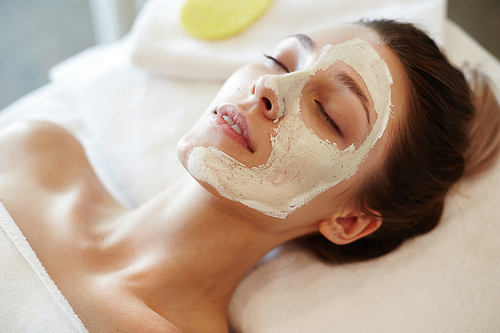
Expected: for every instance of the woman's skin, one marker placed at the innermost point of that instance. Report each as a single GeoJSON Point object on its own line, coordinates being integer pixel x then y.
{"type": "Point", "coordinates": [172, 264]}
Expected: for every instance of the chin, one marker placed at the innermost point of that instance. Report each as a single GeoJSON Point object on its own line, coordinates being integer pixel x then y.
{"type": "Point", "coordinates": [183, 151]}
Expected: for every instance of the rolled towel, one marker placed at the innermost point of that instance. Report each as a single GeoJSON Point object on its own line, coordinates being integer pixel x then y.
{"type": "Point", "coordinates": [162, 45]}
{"type": "Point", "coordinates": [29, 299]}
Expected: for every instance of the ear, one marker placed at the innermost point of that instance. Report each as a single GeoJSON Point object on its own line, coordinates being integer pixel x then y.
{"type": "Point", "coordinates": [349, 227]}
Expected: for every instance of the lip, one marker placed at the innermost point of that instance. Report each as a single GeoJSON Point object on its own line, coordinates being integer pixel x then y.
{"type": "Point", "coordinates": [232, 111]}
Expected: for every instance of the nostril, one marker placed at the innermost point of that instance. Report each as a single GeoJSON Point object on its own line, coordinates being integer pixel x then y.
{"type": "Point", "coordinates": [267, 103]}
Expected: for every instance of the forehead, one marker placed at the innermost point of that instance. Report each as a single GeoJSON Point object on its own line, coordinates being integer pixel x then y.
{"type": "Point", "coordinates": [338, 35]}
{"type": "Point", "coordinates": [309, 53]}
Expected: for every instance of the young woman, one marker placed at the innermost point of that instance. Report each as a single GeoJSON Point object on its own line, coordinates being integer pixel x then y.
{"type": "Point", "coordinates": [346, 139]}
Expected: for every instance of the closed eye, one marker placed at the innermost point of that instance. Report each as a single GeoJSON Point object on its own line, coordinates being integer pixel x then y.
{"type": "Point", "coordinates": [277, 62]}
{"type": "Point", "coordinates": [329, 120]}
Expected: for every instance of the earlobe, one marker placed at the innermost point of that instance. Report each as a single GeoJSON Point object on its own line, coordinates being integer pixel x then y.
{"type": "Point", "coordinates": [346, 229]}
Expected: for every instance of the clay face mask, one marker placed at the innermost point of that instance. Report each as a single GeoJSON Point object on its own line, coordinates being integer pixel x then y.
{"type": "Point", "coordinates": [301, 164]}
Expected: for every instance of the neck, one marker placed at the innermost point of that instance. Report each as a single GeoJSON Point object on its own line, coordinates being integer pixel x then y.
{"type": "Point", "coordinates": [195, 249]}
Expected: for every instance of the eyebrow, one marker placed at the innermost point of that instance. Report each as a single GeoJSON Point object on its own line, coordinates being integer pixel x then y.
{"type": "Point", "coordinates": [305, 41]}
{"type": "Point", "coordinates": [349, 82]}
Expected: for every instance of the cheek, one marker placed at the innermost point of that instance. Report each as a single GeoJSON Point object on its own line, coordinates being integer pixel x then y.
{"type": "Point", "coordinates": [240, 83]}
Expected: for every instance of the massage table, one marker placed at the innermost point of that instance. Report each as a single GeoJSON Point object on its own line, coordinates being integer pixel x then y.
{"type": "Point", "coordinates": [130, 101]}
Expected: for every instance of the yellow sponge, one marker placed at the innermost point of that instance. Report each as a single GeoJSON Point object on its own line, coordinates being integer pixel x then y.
{"type": "Point", "coordinates": [217, 19]}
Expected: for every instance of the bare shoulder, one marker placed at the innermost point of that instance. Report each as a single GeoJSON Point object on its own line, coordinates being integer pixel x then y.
{"type": "Point", "coordinates": [42, 150]}
{"type": "Point", "coordinates": [34, 136]}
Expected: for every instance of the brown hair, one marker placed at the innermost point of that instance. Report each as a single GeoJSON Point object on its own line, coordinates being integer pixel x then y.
{"type": "Point", "coordinates": [447, 132]}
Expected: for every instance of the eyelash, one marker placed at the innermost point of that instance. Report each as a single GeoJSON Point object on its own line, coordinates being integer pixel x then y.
{"type": "Point", "coordinates": [321, 110]}
{"type": "Point", "coordinates": [277, 62]}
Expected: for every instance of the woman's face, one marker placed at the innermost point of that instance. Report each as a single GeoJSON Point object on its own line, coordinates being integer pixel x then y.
{"type": "Point", "coordinates": [298, 124]}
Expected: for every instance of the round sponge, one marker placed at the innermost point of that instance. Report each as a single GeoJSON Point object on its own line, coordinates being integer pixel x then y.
{"type": "Point", "coordinates": [217, 19]}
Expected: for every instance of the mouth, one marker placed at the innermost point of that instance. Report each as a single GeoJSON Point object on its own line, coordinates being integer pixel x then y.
{"type": "Point", "coordinates": [230, 120]}
{"type": "Point", "coordinates": [232, 124]}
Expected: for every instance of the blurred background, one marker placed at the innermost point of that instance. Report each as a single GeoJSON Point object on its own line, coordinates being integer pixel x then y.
{"type": "Point", "coordinates": [37, 34]}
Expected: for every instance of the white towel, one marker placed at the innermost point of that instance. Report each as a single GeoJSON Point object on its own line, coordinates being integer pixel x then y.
{"type": "Point", "coordinates": [29, 299]}
{"type": "Point", "coordinates": [163, 46]}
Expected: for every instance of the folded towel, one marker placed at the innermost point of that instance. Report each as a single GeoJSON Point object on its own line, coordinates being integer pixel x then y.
{"type": "Point", "coordinates": [29, 299]}
{"type": "Point", "coordinates": [163, 46]}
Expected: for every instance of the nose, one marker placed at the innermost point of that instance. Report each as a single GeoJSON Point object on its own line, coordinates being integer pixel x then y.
{"type": "Point", "coordinates": [266, 98]}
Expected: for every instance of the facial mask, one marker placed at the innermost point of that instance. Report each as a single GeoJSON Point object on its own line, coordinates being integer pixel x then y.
{"type": "Point", "coordinates": [301, 164]}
